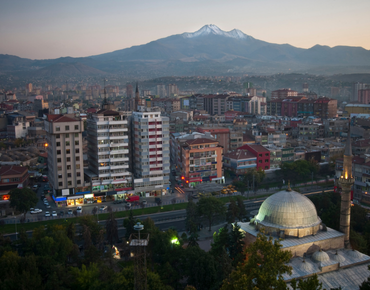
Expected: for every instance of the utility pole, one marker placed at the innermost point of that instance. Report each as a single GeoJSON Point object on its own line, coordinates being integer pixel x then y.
{"type": "Point", "coordinates": [312, 178]}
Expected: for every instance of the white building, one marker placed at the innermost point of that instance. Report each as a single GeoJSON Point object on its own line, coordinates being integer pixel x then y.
{"type": "Point", "coordinates": [109, 153]}
{"type": "Point", "coordinates": [151, 160]}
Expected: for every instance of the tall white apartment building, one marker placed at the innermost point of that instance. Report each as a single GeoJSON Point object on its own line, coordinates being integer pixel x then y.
{"type": "Point", "coordinates": [151, 158]}
{"type": "Point", "coordinates": [109, 153]}
{"type": "Point", "coordinates": [65, 159]}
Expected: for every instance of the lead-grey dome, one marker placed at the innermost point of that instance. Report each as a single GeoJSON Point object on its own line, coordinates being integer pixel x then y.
{"type": "Point", "coordinates": [288, 211]}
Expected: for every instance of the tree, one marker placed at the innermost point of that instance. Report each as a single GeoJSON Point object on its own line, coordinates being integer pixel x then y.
{"type": "Point", "coordinates": [236, 244]}
{"type": "Point", "coordinates": [192, 218]}
{"type": "Point", "coordinates": [311, 283]}
{"type": "Point", "coordinates": [111, 229]}
{"type": "Point", "coordinates": [264, 267]}
{"type": "Point", "coordinates": [220, 241]}
{"type": "Point", "coordinates": [210, 208]}
{"type": "Point", "coordinates": [129, 223]}
{"type": "Point", "coordinates": [242, 213]}
{"type": "Point", "coordinates": [23, 199]}
{"type": "Point", "coordinates": [232, 211]}
{"type": "Point", "coordinates": [366, 284]}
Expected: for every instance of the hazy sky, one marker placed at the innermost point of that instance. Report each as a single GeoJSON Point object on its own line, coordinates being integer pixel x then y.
{"type": "Point", "coordinates": [40, 29]}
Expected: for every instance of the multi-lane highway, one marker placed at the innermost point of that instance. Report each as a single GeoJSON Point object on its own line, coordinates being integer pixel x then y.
{"type": "Point", "coordinates": [176, 219]}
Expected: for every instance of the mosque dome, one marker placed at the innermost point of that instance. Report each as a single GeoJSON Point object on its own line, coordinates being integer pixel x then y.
{"type": "Point", "coordinates": [320, 256]}
{"type": "Point", "coordinates": [288, 211]}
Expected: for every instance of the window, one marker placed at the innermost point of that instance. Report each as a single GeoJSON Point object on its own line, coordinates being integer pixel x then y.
{"type": "Point", "coordinates": [266, 160]}
{"type": "Point", "coordinates": [78, 181]}
{"type": "Point", "coordinates": [68, 159]}
{"type": "Point", "coordinates": [77, 166]}
{"type": "Point", "coordinates": [77, 150]}
{"type": "Point", "coordinates": [68, 151]}
{"type": "Point", "coordinates": [59, 159]}
{"type": "Point", "coordinates": [68, 167]}
{"type": "Point", "coordinates": [67, 135]}
{"type": "Point", "coordinates": [60, 183]}
{"type": "Point", "coordinates": [76, 134]}
{"type": "Point", "coordinates": [69, 175]}
{"type": "Point", "coordinates": [59, 152]}
{"type": "Point", "coordinates": [259, 161]}
{"type": "Point", "coordinates": [266, 154]}
{"type": "Point", "coordinates": [78, 174]}
{"type": "Point", "coordinates": [67, 128]}
{"type": "Point", "coordinates": [78, 158]}
{"type": "Point", "coordinates": [69, 183]}
{"type": "Point", "coordinates": [57, 128]}
{"type": "Point", "coordinates": [67, 143]}
{"type": "Point", "coordinates": [59, 168]}
{"type": "Point", "coordinates": [77, 142]}
{"type": "Point", "coordinates": [57, 136]}
{"type": "Point", "coordinates": [58, 144]}
{"type": "Point", "coordinates": [76, 127]}
{"type": "Point", "coordinates": [260, 155]}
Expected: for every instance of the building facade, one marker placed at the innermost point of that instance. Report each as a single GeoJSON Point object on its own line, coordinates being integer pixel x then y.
{"type": "Point", "coordinates": [151, 159]}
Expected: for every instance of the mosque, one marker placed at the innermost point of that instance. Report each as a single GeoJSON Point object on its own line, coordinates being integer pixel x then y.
{"type": "Point", "coordinates": [316, 249]}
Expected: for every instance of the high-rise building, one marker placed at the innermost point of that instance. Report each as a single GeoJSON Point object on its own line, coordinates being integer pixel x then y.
{"type": "Point", "coordinates": [28, 88]}
{"type": "Point", "coordinates": [172, 90]}
{"type": "Point", "coordinates": [283, 93]}
{"type": "Point", "coordinates": [161, 91]}
{"type": "Point", "coordinates": [151, 158]}
{"type": "Point", "coordinates": [305, 87]}
{"type": "Point", "coordinates": [129, 91]}
{"type": "Point", "coordinates": [65, 158]}
{"type": "Point", "coordinates": [364, 96]}
{"type": "Point", "coordinates": [109, 153]}
{"type": "Point", "coordinates": [355, 88]}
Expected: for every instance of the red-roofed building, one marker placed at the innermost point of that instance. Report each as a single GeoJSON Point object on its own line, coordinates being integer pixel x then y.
{"type": "Point", "coordinates": [201, 162]}
{"type": "Point", "coordinates": [11, 176]}
{"type": "Point", "coordinates": [261, 153]}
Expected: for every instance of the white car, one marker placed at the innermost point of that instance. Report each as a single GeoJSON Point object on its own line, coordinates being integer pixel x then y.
{"type": "Point", "coordinates": [79, 209]}
{"type": "Point", "coordinates": [45, 201]}
{"type": "Point", "coordinates": [35, 187]}
{"type": "Point", "coordinates": [54, 213]}
{"type": "Point", "coordinates": [104, 207]}
{"type": "Point", "coordinates": [70, 211]}
{"type": "Point", "coordinates": [47, 205]}
{"type": "Point", "coordinates": [35, 210]}
{"type": "Point", "coordinates": [47, 213]}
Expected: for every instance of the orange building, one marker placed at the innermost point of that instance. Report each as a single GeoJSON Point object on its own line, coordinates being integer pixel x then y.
{"type": "Point", "coordinates": [202, 162]}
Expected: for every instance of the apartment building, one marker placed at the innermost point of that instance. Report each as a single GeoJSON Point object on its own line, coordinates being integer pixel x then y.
{"type": "Point", "coordinates": [65, 159]}
{"type": "Point", "coordinates": [168, 105]}
{"type": "Point", "coordinates": [222, 135]}
{"type": "Point", "coordinates": [151, 159]}
{"type": "Point", "coordinates": [261, 153]}
{"type": "Point", "coordinates": [18, 125]}
{"type": "Point", "coordinates": [283, 93]}
{"type": "Point", "coordinates": [335, 127]}
{"type": "Point", "coordinates": [201, 162]}
{"type": "Point", "coordinates": [310, 131]}
{"type": "Point", "coordinates": [110, 170]}
{"type": "Point", "coordinates": [239, 161]}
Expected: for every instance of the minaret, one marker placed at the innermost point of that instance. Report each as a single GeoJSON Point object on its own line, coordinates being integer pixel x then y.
{"type": "Point", "coordinates": [346, 181]}
{"type": "Point", "coordinates": [137, 98]}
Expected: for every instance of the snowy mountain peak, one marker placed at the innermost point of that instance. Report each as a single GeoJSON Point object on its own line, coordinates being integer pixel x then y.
{"type": "Point", "coordinates": [213, 29]}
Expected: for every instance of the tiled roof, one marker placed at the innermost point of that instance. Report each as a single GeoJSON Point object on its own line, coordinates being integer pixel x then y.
{"type": "Point", "coordinates": [213, 130]}
{"type": "Point", "coordinates": [362, 143]}
{"type": "Point", "coordinates": [200, 141]}
{"type": "Point", "coordinates": [12, 170]}
{"type": "Point", "coordinates": [239, 154]}
{"type": "Point", "coordinates": [256, 147]}
{"type": "Point", "coordinates": [60, 118]}
{"type": "Point", "coordinates": [247, 138]}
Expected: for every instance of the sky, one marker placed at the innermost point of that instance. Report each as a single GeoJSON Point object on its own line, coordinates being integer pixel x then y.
{"type": "Point", "coordinates": [43, 29]}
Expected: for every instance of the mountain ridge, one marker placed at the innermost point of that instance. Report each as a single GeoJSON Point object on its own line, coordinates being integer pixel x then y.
{"type": "Point", "coordinates": [224, 52]}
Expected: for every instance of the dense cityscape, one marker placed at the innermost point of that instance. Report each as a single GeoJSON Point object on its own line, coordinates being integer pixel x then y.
{"type": "Point", "coordinates": [141, 148]}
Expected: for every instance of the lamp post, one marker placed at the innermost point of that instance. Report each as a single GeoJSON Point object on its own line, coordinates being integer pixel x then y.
{"type": "Point", "coordinates": [15, 223]}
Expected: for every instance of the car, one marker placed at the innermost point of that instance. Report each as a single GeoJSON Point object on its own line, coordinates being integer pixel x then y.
{"type": "Point", "coordinates": [128, 205]}
{"type": "Point", "coordinates": [70, 211]}
{"type": "Point", "coordinates": [47, 214]}
{"type": "Point", "coordinates": [47, 206]}
{"type": "Point", "coordinates": [79, 209]}
{"type": "Point", "coordinates": [46, 186]}
{"type": "Point", "coordinates": [35, 187]}
{"type": "Point", "coordinates": [144, 201]}
{"type": "Point", "coordinates": [61, 213]}
{"type": "Point", "coordinates": [42, 196]}
{"type": "Point", "coordinates": [118, 201]}
{"type": "Point", "coordinates": [45, 200]}
{"type": "Point", "coordinates": [104, 207]}
{"type": "Point", "coordinates": [54, 213]}
{"type": "Point", "coordinates": [36, 210]}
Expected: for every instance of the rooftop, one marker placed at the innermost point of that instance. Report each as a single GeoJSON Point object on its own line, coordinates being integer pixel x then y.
{"type": "Point", "coordinates": [200, 141]}
{"type": "Point", "coordinates": [239, 155]}
{"type": "Point", "coordinates": [255, 147]}
{"type": "Point", "coordinates": [60, 118]}
{"type": "Point", "coordinates": [12, 170]}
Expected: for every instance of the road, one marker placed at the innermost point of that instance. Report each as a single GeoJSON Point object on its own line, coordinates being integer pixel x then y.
{"type": "Point", "coordinates": [176, 219]}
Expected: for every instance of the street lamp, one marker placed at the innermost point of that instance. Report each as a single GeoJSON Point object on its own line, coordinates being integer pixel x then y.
{"type": "Point", "coordinates": [15, 223]}
{"type": "Point", "coordinates": [138, 227]}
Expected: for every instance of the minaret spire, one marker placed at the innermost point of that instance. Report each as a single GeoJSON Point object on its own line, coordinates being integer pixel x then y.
{"type": "Point", "coordinates": [137, 97]}
{"type": "Point", "coordinates": [346, 181]}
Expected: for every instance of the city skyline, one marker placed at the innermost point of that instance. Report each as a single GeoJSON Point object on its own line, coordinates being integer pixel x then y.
{"type": "Point", "coordinates": [43, 29]}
